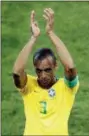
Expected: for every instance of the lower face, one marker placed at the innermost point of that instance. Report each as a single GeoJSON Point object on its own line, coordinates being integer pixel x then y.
{"type": "Point", "coordinates": [47, 81]}
{"type": "Point", "coordinates": [45, 73]}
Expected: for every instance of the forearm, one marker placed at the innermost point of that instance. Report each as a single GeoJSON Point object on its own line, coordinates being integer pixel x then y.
{"type": "Point", "coordinates": [23, 56]}
{"type": "Point", "coordinates": [62, 51]}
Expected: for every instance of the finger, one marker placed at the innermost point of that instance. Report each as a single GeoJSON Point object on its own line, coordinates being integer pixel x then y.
{"type": "Point", "coordinates": [46, 18]}
{"type": "Point", "coordinates": [50, 12]}
{"type": "Point", "coordinates": [35, 23]}
{"type": "Point", "coordinates": [32, 16]}
{"type": "Point", "coordinates": [47, 13]}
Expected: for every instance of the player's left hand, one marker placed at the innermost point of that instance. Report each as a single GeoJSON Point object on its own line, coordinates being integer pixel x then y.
{"type": "Point", "coordinates": [49, 17]}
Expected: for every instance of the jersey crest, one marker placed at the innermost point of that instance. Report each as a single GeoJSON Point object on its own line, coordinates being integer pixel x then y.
{"type": "Point", "coordinates": [51, 92]}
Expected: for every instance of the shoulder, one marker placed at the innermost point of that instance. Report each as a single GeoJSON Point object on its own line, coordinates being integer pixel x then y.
{"type": "Point", "coordinates": [71, 86]}
{"type": "Point", "coordinates": [30, 77]}
{"type": "Point", "coordinates": [31, 81]}
{"type": "Point", "coordinates": [60, 80]}
{"type": "Point", "coordinates": [72, 83]}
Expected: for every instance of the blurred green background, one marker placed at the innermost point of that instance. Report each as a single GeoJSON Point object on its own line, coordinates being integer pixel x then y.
{"type": "Point", "coordinates": [72, 25]}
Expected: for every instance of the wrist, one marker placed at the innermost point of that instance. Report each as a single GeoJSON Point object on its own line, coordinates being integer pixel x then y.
{"type": "Point", "coordinates": [50, 33]}
{"type": "Point", "coordinates": [33, 38]}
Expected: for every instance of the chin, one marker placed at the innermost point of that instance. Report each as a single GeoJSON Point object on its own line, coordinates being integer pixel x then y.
{"type": "Point", "coordinates": [45, 85]}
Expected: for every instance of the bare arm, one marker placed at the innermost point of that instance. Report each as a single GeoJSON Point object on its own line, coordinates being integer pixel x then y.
{"type": "Point", "coordinates": [19, 75]}
{"type": "Point", "coordinates": [64, 55]}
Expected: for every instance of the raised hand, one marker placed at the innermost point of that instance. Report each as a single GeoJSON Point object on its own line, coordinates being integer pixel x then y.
{"type": "Point", "coordinates": [49, 17]}
{"type": "Point", "coordinates": [34, 26]}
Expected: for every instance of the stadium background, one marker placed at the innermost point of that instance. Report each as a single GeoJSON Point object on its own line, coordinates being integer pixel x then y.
{"type": "Point", "coordinates": [72, 25]}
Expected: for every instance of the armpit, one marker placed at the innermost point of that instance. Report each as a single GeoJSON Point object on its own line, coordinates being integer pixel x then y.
{"type": "Point", "coordinates": [19, 81]}
{"type": "Point", "coordinates": [71, 84]}
{"type": "Point", "coordinates": [70, 73]}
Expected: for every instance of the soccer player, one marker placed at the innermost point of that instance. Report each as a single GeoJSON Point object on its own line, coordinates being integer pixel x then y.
{"type": "Point", "coordinates": [47, 100]}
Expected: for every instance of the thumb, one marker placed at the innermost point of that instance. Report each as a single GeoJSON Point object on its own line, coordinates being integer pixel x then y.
{"type": "Point", "coordinates": [35, 23]}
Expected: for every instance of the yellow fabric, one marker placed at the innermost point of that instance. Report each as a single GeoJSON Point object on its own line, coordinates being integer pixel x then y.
{"type": "Point", "coordinates": [47, 115]}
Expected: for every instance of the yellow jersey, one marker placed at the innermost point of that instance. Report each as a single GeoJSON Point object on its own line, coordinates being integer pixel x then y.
{"type": "Point", "coordinates": [47, 110]}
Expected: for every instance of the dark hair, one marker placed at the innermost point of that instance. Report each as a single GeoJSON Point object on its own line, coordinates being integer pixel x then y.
{"type": "Point", "coordinates": [43, 53]}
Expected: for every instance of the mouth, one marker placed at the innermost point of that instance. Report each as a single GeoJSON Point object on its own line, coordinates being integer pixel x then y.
{"type": "Point", "coordinates": [45, 81]}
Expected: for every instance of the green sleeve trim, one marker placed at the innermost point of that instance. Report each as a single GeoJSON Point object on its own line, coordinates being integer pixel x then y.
{"type": "Point", "coordinates": [71, 83]}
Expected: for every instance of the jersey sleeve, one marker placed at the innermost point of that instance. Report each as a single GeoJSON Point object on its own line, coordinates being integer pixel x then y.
{"type": "Point", "coordinates": [72, 85]}
{"type": "Point", "coordinates": [28, 87]}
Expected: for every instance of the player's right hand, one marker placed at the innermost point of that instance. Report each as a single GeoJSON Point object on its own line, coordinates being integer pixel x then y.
{"type": "Point", "coordinates": [34, 26]}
